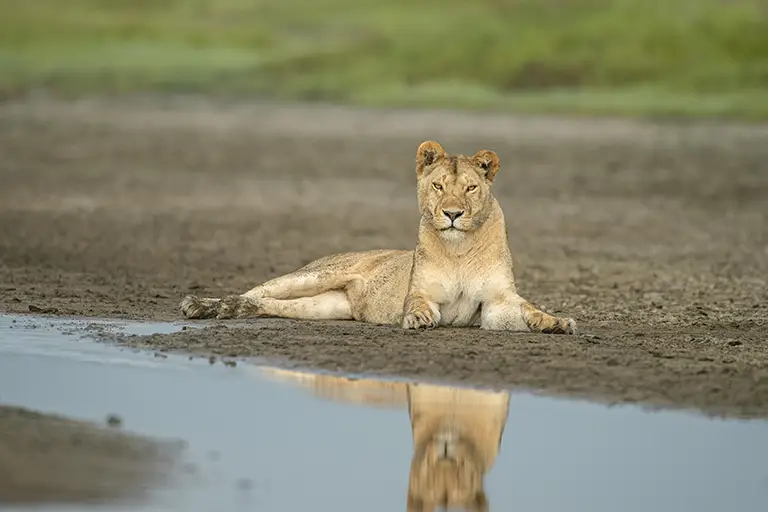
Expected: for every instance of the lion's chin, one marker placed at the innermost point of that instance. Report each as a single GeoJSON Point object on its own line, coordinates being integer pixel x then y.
{"type": "Point", "coordinates": [452, 233]}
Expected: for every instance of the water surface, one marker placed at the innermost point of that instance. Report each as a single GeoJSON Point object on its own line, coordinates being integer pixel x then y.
{"type": "Point", "coordinates": [274, 440]}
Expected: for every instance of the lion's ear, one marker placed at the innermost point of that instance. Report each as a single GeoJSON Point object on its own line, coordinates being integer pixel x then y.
{"type": "Point", "coordinates": [428, 153]}
{"type": "Point", "coordinates": [488, 162]}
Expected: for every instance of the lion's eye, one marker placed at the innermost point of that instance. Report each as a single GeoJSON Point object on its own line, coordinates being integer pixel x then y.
{"type": "Point", "coordinates": [471, 188]}
{"type": "Point", "coordinates": [437, 186]}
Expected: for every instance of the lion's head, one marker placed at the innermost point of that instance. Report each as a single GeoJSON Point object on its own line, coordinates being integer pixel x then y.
{"type": "Point", "coordinates": [454, 191]}
{"type": "Point", "coordinates": [447, 472]}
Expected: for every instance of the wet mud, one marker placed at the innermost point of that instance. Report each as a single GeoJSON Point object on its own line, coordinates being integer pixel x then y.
{"type": "Point", "coordinates": [51, 459]}
{"type": "Point", "coordinates": [652, 236]}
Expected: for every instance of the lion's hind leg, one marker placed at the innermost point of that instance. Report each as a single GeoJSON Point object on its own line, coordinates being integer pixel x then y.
{"type": "Point", "coordinates": [199, 308]}
{"type": "Point", "coordinates": [330, 305]}
{"type": "Point", "coordinates": [283, 296]}
{"type": "Point", "coordinates": [510, 312]}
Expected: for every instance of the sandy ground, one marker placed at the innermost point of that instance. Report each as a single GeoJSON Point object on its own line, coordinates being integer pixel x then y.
{"type": "Point", "coordinates": [46, 458]}
{"type": "Point", "coordinates": [652, 236]}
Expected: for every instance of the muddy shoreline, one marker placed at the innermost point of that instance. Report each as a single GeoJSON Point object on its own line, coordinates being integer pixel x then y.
{"type": "Point", "coordinates": [51, 459]}
{"type": "Point", "coordinates": [652, 236]}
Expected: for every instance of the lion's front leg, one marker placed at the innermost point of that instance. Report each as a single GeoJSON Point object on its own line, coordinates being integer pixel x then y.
{"type": "Point", "coordinates": [539, 321]}
{"type": "Point", "coordinates": [418, 312]}
{"type": "Point", "coordinates": [510, 312]}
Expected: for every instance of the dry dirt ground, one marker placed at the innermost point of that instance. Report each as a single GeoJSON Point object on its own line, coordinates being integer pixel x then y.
{"type": "Point", "coordinates": [652, 236]}
{"type": "Point", "coordinates": [46, 458]}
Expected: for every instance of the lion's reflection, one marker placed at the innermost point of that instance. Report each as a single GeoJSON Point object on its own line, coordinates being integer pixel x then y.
{"type": "Point", "coordinates": [456, 433]}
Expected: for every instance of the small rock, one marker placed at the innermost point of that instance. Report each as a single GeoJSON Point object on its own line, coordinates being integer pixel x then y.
{"type": "Point", "coordinates": [37, 309]}
{"type": "Point", "coordinates": [592, 338]}
{"type": "Point", "coordinates": [115, 421]}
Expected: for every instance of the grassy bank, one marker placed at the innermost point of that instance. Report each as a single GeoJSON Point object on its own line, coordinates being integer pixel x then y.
{"type": "Point", "coordinates": [637, 57]}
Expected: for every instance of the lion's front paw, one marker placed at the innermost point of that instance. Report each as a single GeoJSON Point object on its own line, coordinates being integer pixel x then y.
{"type": "Point", "coordinates": [237, 306]}
{"type": "Point", "coordinates": [422, 317]}
{"type": "Point", "coordinates": [195, 307]}
{"type": "Point", "coordinates": [562, 326]}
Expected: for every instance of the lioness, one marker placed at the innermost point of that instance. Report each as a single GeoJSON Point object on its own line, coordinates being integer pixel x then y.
{"type": "Point", "coordinates": [456, 433]}
{"type": "Point", "coordinates": [460, 273]}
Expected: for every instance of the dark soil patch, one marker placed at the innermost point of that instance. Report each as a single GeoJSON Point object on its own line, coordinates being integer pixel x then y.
{"type": "Point", "coordinates": [653, 237]}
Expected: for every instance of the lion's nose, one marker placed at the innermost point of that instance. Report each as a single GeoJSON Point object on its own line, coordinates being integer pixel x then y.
{"type": "Point", "coordinates": [453, 214]}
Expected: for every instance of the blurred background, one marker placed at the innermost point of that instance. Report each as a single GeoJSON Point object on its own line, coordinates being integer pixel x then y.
{"type": "Point", "coordinates": [629, 57]}
{"type": "Point", "coordinates": [152, 149]}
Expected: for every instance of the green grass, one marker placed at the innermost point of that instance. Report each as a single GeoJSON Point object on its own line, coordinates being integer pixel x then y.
{"type": "Point", "coordinates": [630, 57]}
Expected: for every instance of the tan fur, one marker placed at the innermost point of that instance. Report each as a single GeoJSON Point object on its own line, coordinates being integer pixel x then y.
{"type": "Point", "coordinates": [456, 438]}
{"type": "Point", "coordinates": [460, 273]}
{"type": "Point", "coordinates": [369, 392]}
{"type": "Point", "coordinates": [456, 434]}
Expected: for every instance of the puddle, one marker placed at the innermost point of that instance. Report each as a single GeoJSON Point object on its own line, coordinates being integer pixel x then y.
{"type": "Point", "coordinates": [278, 440]}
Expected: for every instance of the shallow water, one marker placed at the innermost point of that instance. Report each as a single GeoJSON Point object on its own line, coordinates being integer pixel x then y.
{"type": "Point", "coordinates": [264, 440]}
